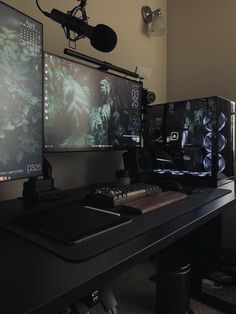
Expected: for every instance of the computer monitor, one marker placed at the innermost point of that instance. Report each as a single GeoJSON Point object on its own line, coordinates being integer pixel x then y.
{"type": "Point", "coordinates": [87, 109]}
{"type": "Point", "coordinates": [191, 141]}
{"type": "Point", "coordinates": [20, 94]}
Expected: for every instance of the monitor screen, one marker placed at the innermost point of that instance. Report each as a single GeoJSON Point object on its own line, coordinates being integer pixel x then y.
{"type": "Point", "coordinates": [184, 135]}
{"type": "Point", "coordinates": [20, 95]}
{"type": "Point", "coordinates": [89, 109]}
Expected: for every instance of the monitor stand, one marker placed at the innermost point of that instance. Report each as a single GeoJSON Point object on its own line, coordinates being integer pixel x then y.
{"type": "Point", "coordinates": [42, 189]}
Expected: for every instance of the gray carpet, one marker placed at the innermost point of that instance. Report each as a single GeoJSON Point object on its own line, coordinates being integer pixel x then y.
{"type": "Point", "coordinates": [135, 293]}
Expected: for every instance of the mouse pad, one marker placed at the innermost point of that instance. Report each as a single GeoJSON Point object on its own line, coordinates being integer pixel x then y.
{"type": "Point", "coordinates": [70, 224]}
{"type": "Point", "coordinates": [140, 224]}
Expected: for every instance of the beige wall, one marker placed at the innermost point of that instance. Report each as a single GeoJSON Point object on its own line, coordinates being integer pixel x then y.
{"type": "Point", "coordinates": [201, 48]}
{"type": "Point", "coordinates": [134, 48]}
{"type": "Point", "coordinates": [201, 61]}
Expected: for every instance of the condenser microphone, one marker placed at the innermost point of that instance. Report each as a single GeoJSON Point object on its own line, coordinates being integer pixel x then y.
{"type": "Point", "coordinates": [102, 37]}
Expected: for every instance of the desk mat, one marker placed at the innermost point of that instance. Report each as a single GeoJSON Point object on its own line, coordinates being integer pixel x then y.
{"type": "Point", "coordinates": [89, 248]}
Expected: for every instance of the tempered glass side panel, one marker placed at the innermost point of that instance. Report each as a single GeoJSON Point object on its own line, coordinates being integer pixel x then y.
{"type": "Point", "coordinates": [20, 95]}
{"type": "Point", "coordinates": [191, 141]}
{"type": "Point", "coordinates": [225, 139]}
{"type": "Point", "coordinates": [88, 109]}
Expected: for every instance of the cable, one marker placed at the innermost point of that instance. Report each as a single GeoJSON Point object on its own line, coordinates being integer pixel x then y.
{"type": "Point", "coordinates": [44, 12]}
{"type": "Point", "coordinates": [81, 7]}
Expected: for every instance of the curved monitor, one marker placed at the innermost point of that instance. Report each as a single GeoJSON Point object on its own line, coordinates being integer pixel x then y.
{"type": "Point", "coordinates": [87, 109]}
{"type": "Point", "coordinates": [20, 95]}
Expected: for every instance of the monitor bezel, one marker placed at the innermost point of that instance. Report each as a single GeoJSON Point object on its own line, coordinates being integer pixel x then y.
{"type": "Point", "coordinates": [40, 173]}
{"type": "Point", "coordinates": [92, 149]}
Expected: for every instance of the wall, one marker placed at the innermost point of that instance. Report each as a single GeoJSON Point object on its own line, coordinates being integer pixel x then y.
{"type": "Point", "coordinates": [201, 60]}
{"type": "Point", "coordinates": [201, 48]}
{"type": "Point", "coordinates": [134, 48]}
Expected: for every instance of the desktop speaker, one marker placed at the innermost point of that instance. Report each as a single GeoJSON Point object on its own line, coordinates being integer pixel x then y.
{"type": "Point", "coordinates": [139, 164]}
{"type": "Point", "coordinates": [148, 97]}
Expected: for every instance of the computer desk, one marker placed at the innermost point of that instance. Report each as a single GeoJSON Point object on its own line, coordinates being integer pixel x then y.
{"type": "Point", "coordinates": [33, 280]}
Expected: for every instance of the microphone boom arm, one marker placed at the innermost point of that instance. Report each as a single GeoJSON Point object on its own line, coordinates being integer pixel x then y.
{"type": "Point", "coordinates": [101, 36]}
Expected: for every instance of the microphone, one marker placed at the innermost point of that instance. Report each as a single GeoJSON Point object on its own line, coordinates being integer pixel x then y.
{"type": "Point", "coordinates": [102, 37]}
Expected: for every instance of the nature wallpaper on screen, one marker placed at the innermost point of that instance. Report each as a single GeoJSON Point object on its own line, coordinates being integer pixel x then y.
{"type": "Point", "coordinates": [85, 108]}
{"type": "Point", "coordinates": [20, 95]}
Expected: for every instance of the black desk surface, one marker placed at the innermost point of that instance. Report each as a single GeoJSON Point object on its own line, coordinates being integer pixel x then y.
{"type": "Point", "coordinates": [32, 280]}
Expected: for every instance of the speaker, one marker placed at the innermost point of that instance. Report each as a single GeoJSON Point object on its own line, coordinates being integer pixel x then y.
{"type": "Point", "coordinates": [148, 97]}
{"type": "Point", "coordinates": [139, 164]}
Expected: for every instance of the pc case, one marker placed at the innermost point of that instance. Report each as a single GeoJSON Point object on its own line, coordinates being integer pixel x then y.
{"type": "Point", "coordinates": [192, 141]}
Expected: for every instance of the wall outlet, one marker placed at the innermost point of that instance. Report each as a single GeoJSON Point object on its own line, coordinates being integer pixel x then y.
{"type": "Point", "coordinates": [144, 72]}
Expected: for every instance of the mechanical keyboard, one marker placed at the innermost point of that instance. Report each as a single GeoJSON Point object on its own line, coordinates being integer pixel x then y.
{"type": "Point", "coordinates": [115, 195]}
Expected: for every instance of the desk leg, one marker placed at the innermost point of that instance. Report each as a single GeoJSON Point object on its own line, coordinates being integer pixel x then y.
{"type": "Point", "coordinates": [173, 283]}
{"type": "Point", "coordinates": [204, 249]}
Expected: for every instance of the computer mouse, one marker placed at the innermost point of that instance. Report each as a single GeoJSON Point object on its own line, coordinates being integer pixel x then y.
{"type": "Point", "coordinates": [192, 190]}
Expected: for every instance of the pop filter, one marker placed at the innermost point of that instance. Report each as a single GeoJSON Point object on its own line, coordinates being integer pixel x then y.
{"type": "Point", "coordinates": [103, 38]}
